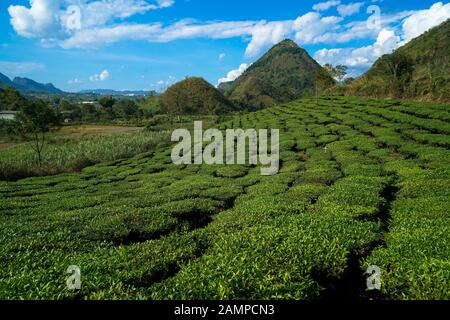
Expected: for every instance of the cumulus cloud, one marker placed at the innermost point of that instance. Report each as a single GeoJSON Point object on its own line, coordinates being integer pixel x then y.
{"type": "Point", "coordinates": [323, 6]}
{"type": "Point", "coordinates": [50, 18]}
{"type": "Point", "coordinates": [234, 74]}
{"type": "Point", "coordinates": [359, 59]}
{"type": "Point", "coordinates": [313, 28]}
{"type": "Point", "coordinates": [266, 34]}
{"type": "Point", "coordinates": [423, 20]}
{"type": "Point", "coordinates": [40, 20]}
{"type": "Point", "coordinates": [102, 76]}
{"type": "Point", "coordinates": [104, 22]}
{"type": "Point", "coordinates": [101, 23]}
{"type": "Point", "coordinates": [349, 9]}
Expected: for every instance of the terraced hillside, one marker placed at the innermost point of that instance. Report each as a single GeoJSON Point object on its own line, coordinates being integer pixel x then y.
{"type": "Point", "coordinates": [362, 182]}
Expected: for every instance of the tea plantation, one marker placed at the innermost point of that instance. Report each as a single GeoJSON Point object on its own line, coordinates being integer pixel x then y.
{"type": "Point", "coordinates": [362, 183]}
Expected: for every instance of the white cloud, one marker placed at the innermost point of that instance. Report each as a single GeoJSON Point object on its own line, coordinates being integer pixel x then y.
{"type": "Point", "coordinates": [388, 39]}
{"type": "Point", "coordinates": [234, 74]}
{"type": "Point", "coordinates": [323, 6]}
{"type": "Point", "coordinates": [40, 20]}
{"type": "Point", "coordinates": [313, 28]}
{"type": "Point", "coordinates": [346, 10]}
{"type": "Point", "coordinates": [102, 76]}
{"type": "Point", "coordinates": [103, 23]}
{"type": "Point", "coordinates": [165, 3]}
{"type": "Point", "coordinates": [359, 59]}
{"type": "Point", "coordinates": [222, 56]}
{"type": "Point", "coordinates": [48, 19]}
{"type": "Point", "coordinates": [267, 34]}
{"type": "Point", "coordinates": [423, 20]}
{"type": "Point", "coordinates": [19, 68]}
{"type": "Point", "coordinates": [74, 81]}
{"type": "Point", "coordinates": [163, 84]}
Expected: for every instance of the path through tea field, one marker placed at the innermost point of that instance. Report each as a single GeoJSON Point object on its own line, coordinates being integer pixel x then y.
{"type": "Point", "coordinates": [361, 183]}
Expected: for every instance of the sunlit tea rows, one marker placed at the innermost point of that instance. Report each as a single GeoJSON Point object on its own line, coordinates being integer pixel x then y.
{"type": "Point", "coordinates": [361, 183]}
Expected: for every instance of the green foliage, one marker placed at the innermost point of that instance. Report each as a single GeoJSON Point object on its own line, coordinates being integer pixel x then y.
{"type": "Point", "coordinates": [362, 182]}
{"type": "Point", "coordinates": [107, 102]}
{"type": "Point", "coordinates": [11, 99]}
{"type": "Point", "coordinates": [285, 73]}
{"type": "Point", "coordinates": [420, 69]}
{"type": "Point", "coordinates": [194, 96]}
{"type": "Point", "coordinates": [33, 121]}
{"type": "Point", "coordinates": [338, 72]}
{"type": "Point", "coordinates": [66, 156]}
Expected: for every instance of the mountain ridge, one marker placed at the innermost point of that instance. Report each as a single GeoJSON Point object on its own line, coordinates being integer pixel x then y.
{"type": "Point", "coordinates": [26, 85]}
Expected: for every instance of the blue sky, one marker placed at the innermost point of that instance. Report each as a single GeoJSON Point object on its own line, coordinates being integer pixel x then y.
{"type": "Point", "coordinates": [149, 44]}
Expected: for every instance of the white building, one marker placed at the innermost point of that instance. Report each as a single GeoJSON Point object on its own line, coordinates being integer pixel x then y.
{"type": "Point", "coordinates": [8, 115]}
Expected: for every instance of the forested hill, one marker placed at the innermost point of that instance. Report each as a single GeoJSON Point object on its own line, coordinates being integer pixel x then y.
{"type": "Point", "coordinates": [285, 73]}
{"type": "Point", "coordinates": [419, 69]}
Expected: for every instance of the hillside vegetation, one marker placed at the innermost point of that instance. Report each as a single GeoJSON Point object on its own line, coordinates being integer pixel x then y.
{"type": "Point", "coordinates": [362, 182]}
{"type": "Point", "coordinates": [285, 73]}
{"type": "Point", "coordinates": [11, 99]}
{"type": "Point", "coordinates": [420, 69]}
{"type": "Point", "coordinates": [194, 96]}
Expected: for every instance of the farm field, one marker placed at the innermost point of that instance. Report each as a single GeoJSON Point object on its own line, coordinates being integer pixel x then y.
{"type": "Point", "coordinates": [74, 147]}
{"type": "Point", "coordinates": [362, 182]}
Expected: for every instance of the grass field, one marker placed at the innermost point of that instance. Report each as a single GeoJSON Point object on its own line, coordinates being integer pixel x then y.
{"type": "Point", "coordinates": [71, 148]}
{"type": "Point", "coordinates": [362, 182]}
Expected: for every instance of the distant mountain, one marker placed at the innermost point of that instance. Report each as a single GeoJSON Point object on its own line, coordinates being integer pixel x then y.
{"type": "Point", "coordinates": [285, 73]}
{"type": "Point", "coordinates": [5, 81]}
{"type": "Point", "coordinates": [420, 69]}
{"type": "Point", "coordinates": [26, 85]}
{"type": "Point", "coordinates": [109, 92]}
{"type": "Point", "coordinates": [194, 96]}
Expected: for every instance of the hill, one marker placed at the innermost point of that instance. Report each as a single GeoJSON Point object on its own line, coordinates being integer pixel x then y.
{"type": "Point", "coordinates": [5, 81]}
{"type": "Point", "coordinates": [194, 96]}
{"type": "Point", "coordinates": [285, 73]}
{"type": "Point", "coordinates": [29, 85]}
{"type": "Point", "coordinates": [420, 69]}
{"type": "Point", "coordinates": [26, 85]}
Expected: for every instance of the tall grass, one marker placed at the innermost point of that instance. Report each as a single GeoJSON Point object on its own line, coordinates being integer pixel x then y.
{"type": "Point", "coordinates": [67, 155]}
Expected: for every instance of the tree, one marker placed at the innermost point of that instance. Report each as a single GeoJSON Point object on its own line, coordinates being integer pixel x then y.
{"type": "Point", "coordinates": [65, 105]}
{"type": "Point", "coordinates": [33, 121]}
{"type": "Point", "coordinates": [107, 102]}
{"type": "Point", "coordinates": [126, 109]}
{"type": "Point", "coordinates": [322, 81]}
{"type": "Point", "coordinates": [11, 99]}
{"type": "Point", "coordinates": [349, 80]}
{"type": "Point", "coordinates": [399, 68]}
{"type": "Point", "coordinates": [89, 112]}
{"type": "Point", "coordinates": [339, 72]}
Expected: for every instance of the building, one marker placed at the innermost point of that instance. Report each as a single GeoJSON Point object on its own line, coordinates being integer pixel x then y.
{"type": "Point", "coordinates": [68, 116]}
{"type": "Point", "coordinates": [8, 115]}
